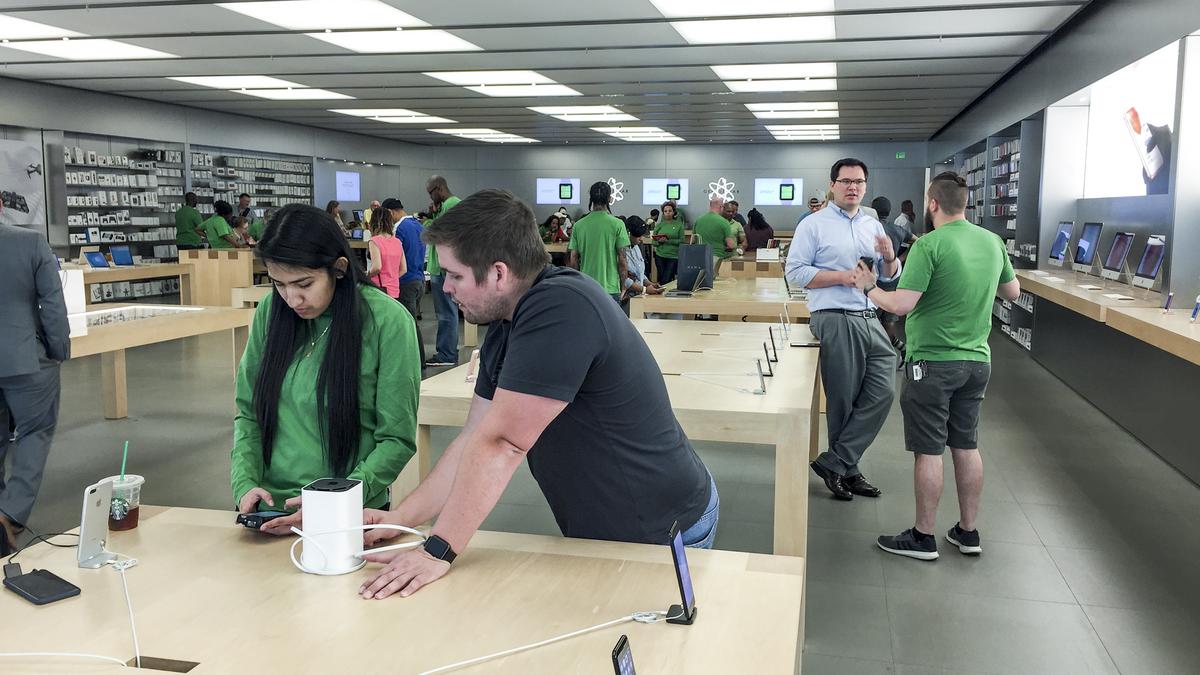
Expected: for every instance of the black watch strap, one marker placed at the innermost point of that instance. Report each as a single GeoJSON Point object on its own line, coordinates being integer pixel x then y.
{"type": "Point", "coordinates": [868, 289]}
{"type": "Point", "coordinates": [439, 548]}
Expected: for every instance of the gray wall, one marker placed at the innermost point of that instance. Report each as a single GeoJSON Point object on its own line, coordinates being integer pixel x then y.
{"type": "Point", "coordinates": [1184, 246]}
{"type": "Point", "coordinates": [1103, 38]}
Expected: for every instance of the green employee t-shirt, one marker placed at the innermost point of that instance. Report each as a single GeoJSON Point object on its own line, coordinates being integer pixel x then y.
{"type": "Point", "coordinates": [187, 219]}
{"type": "Point", "coordinates": [432, 265]}
{"type": "Point", "coordinates": [596, 237]}
{"type": "Point", "coordinates": [669, 247]}
{"type": "Point", "coordinates": [957, 268]}
{"type": "Point", "coordinates": [215, 228]}
{"type": "Point", "coordinates": [712, 230]}
{"type": "Point", "coordinates": [256, 228]}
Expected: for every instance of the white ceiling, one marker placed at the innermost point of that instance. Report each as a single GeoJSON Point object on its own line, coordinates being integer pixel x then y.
{"type": "Point", "coordinates": [904, 67]}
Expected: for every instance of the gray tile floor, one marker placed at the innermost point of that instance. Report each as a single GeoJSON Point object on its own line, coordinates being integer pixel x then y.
{"type": "Point", "coordinates": [1089, 543]}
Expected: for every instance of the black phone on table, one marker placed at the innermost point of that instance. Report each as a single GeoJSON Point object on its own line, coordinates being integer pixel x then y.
{"type": "Point", "coordinates": [257, 519]}
{"type": "Point", "coordinates": [623, 658]}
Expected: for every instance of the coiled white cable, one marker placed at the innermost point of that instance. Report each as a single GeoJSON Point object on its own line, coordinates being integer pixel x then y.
{"type": "Point", "coordinates": [310, 540]}
{"type": "Point", "coordinates": [640, 617]}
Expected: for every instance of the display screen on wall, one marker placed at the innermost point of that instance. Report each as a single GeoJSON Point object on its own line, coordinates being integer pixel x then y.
{"type": "Point", "coordinates": [1130, 118]}
{"type": "Point", "coordinates": [348, 186]}
{"type": "Point", "coordinates": [558, 191]}
{"type": "Point", "coordinates": [1152, 257]}
{"type": "Point", "coordinates": [778, 191]}
{"type": "Point", "coordinates": [655, 191]}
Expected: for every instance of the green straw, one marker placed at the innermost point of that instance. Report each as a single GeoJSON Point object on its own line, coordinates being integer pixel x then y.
{"type": "Point", "coordinates": [124, 457]}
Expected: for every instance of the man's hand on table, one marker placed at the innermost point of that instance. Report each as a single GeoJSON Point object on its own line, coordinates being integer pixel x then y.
{"type": "Point", "coordinates": [406, 572]}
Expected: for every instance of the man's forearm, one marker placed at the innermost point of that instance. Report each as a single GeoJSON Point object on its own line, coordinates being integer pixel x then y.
{"type": "Point", "coordinates": [890, 268]}
{"type": "Point", "coordinates": [829, 278]}
{"type": "Point", "coordinates": [485, 470]}
{"type": "Point", "coordinates": [425, 502]}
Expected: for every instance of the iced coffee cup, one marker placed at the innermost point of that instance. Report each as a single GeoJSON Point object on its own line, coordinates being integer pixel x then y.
{"type": "Point", "coordinates": [126, 502]}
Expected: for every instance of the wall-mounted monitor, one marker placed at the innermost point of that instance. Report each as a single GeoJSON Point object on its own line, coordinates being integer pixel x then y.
{"type": "Point", "coordinates": [348, 186]}
{"type": "Point", "coordinates": [1058, 249]}
{"type": "Point", "coordinates": [778, 191]}
{"type": "Point", "coordinates": [1085, 248]}
{"type": "Point", "coordinates": [1117, 254]}
{"type": "Point", "coordinates": [1151, 262]}
{"type": "Point", "coordinates": [655, 191]}
{"type": "Point", "coordinates": [561, 191]}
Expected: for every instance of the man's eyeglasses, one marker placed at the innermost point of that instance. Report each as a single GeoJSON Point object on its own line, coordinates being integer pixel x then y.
{"type": "Point", "coordinates": [847, 182]}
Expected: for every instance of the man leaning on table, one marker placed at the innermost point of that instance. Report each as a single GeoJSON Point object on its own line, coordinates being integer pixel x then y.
{"type": "Point", "coordinates": [34, 341]}
{"type": "Point", "coordinates": [858, 363]}
{"type": "Point", "coordinates": [947, 289]}
{"type": "Point", "coordinates": [594, 421]}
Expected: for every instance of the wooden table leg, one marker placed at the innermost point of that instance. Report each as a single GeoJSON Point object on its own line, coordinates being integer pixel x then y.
{"type": "Point", "coordinates": [185, 289]}
{"type": "Point", "coordinates": [814, 420]}
{"type": "Point", "coordinates": [116, 391]}
{"type": "Point", "coordinates": [636, 310]}
{"type": "Point", "coordinates": [241, 335]}
{"type": "Point", "coordinates": [791, 485]}
{"type": "Point", "coordinates": [417, 468]}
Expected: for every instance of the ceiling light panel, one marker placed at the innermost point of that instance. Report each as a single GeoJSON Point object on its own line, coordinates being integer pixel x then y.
{"type": "Point", "coordinates": [303, 94]}
{"type": "Point", "coordinates": [727, 31]}
{"type": "Point", "coordinates": [322, 14]}
{"type": "Point", "coordinates": [12, 28]}
{"type": "Point", "coordinates": [794, 110]}
{"type": "Point", "coordinates": [752, 86]}
{"type": "Point", "coordinates": [585, 113]}
{"type": "Point", "coordinates": [469, 78]}
{"type": "Point", "coordinates": [421, 119]}
{"type": "Point", "coordinates": [88, 49]}
{"type": "Point", "coordinates": [397, 41]}
{"type": "Point", "coordinates": [776, 71]}
{"type": "Point", "coordinates": [485, 135]}
{"type": "Point", "coordinates": [674, 9]}
{"type": "Point", "coordinates": [238, 82]}
{"type": "Point", "coordinates": [639, 134]}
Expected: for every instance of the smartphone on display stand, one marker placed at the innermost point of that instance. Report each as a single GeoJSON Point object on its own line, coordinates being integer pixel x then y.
{"type": "Point", "coordinates": [93, 526]}
{"type": "Point", "coordinates": [684, 613]}
{"type": "Point", "coordinates": [623, 658]}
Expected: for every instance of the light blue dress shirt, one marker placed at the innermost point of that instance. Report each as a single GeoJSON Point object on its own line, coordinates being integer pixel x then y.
{"type": "Point", "coordinates": [636, 264]}
{"type": "Point", "coordinates": [830, 240]}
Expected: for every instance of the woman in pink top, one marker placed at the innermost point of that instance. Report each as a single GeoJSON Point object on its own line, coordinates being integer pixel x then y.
{"type": "Point", "coordinates": [387, 254]}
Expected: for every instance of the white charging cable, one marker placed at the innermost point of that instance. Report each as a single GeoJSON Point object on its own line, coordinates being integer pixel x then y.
{"type": "Point", "coordinates": [640, 617]}
{"type": "Point", "coordinates": [309, 539]}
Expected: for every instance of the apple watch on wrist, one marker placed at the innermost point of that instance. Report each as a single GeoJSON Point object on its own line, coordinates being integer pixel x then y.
{"type": "Point", "coordinates": [868, 289]}
{"type": "Point", "coordinates": [439, 548]}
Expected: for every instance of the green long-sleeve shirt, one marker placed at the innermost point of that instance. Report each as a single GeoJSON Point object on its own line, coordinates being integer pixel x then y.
{"type": "Point", "coordinates": [669, 248]}
{"type": "Point", "coordinates": [187, 219]}
{"type": "Point", "coordinates": [431, 263]}
{"type": "Point", "coordinates": [389, 387]}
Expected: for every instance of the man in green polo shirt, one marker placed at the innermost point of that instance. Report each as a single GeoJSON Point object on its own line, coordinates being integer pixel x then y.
{"type": "Point", "coordinates": [949, 282]}
{"type": "Point", "coordinates": [217, 229]}
{"type": "Point", "coordinates": [598, 242]}
{"type": "Point", "coordinates": [715, 229]}
{"type": "Point", "coordinates": [187, 224]}
{"type": "Point", "coordinates": [443, 305]}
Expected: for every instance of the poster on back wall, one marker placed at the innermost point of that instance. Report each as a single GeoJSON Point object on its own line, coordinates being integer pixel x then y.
{"type": "Point", "coordinates": [22, 184]}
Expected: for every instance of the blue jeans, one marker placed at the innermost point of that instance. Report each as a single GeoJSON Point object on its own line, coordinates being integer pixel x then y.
{"type": "Point", "coordinates": [704, 531]}
{"type": "Point", "coordinates": [447, 319]}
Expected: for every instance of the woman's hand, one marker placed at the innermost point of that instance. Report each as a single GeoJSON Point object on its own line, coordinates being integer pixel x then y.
{"type": "Point", "coordinates": [249, 502]}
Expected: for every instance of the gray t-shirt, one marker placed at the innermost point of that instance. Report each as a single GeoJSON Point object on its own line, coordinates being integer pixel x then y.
{"type": "Point", "coordinates": [615, 464]}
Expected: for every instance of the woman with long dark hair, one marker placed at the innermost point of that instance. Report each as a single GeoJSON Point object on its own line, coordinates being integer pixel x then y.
{"type": "Point", "coordinates": [760, 231]}
{"type": "Point", "coordinates": [329, 382]}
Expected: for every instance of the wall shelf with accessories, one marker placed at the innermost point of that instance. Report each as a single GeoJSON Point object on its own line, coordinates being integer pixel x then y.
{"type": "Point", "coordinates": [271, 180]}
{"type": "Point", "coordinates": [120, 191]}
{"type": "Point", "coordinates": [1016, 318]}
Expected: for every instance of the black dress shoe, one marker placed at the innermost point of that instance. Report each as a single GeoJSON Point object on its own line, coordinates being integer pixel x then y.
{"type": "Point", "coordinates": [833, 482]}
{"type": "Point", "coordinates": [859, 486]}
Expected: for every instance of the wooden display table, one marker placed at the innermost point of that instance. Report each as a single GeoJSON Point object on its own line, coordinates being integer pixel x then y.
{"type": "Point", "coordinates": [731, 299]}
{"type": "Point", "coordinates": [1094, 304]}
{"type": "Point", "coordinates": [203, 586]}
{"type": "Point", "coordinates": [249, 296]}
{"type": "Point", "coordinates": [1173, 333]}
{"type": "Point", "coordinates": [704, 366]}
{"type": "Point", "coordinates": [138, 273]}
{"type": "Point", "coordinates": [109, 332]}
{"type": "Point", "coordinates": [750, 267]}
{"type": "Point", "coordinates": [557, 247]}
{"type": "Point", "coordinates": [218, 271]}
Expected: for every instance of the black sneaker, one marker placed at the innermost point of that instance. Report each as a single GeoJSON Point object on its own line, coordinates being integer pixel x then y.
{"type": "Point", "coordinates": [967, 542]}
{"type": "Point", "coordinates": [435, 362]}
{"type": "Point", "coordinates": [910, 543]}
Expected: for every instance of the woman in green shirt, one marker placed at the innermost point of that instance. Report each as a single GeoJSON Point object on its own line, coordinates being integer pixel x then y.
{"type": "Point", "coordinates": [668, 235]}
{"type": "Point", "coordinates": [329, 382]}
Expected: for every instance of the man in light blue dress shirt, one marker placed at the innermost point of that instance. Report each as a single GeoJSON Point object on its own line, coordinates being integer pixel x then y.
{"type": "Point", "coordinates": [858, 363]}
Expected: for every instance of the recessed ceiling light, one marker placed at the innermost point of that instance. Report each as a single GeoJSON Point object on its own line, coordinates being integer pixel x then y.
{"type": "Point", "coordinates": [795, 110]}
{"type": "Point", "coordinates": [393, 115]}
{"type": "Point", "coordinates": [303, 94]}
{"type": "Point", "coordinates": [776, 71]}
{"type": "Point", "coordinates": [382, 42]}
{"type": "Point", "coordinates": [784, 29]}
{"type": "Point", "coordinates": [585, 113]}
{"type": "Point", "coordinates": [525, 90]}
{"type": "Point", "coordinates": [673, 9]}
{"type": "Point", "coordinates": [12, 28]}
{"type": "Point", "coordinates": [420, 119]}
{"type": "Point", "coordinates": [322, 14]}
{"type": "Point", "coordinates": [468, 78]}
{"type": "Point", "coordinates": [238, 82]}
{"type": "Point", "coordinates": [638, 134]}
{"type": "Point", "coordinates": [751, 86]}
{"type": "Point", "coordinates": [88, 49]}
{"type": "Point", "coordinates": [485, 135]}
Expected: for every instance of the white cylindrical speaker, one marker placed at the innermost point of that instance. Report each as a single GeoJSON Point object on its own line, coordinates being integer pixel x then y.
{"type": "Point", "coordinates": [332, 511]}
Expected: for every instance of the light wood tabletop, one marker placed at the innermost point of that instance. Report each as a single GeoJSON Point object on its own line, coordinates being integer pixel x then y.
{"type": "Point", "coordinates": [749, 266]}
{"type": "Point", "coordinates": [138, 273]}
{"type": "Point", "coordinates": [249, 296]}
{"type": "Point", "coordinates": [1092, 302]}
{"type": "Point", "coordinates": [710, 372]}
{"type": "Point", "coordinates": [1172, 332]}
{"type": "Point", "coordinates": [730, 298]}
{"type": "Point", "coordinates": [213, 593]}
{"type": "Point", "coordinates": [110, 331]}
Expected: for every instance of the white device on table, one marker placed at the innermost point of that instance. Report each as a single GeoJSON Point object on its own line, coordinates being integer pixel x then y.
{"type": "Point", "coordinates": [1117, 254]}
{"type": "Point", "coordinates": [1151, 262]}
{"type": "Point", "coordinates": [93, 526]}
{"type": "Point", "coordinates": [1085, 248]}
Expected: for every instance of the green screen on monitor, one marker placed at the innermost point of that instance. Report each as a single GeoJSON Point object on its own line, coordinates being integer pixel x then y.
{"type": "Point", "coordinates": [672, 191]}
{"type": "Point", "coordinates": [564, 191]}
{"type": "Point", "coordinates": [787, 192]}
